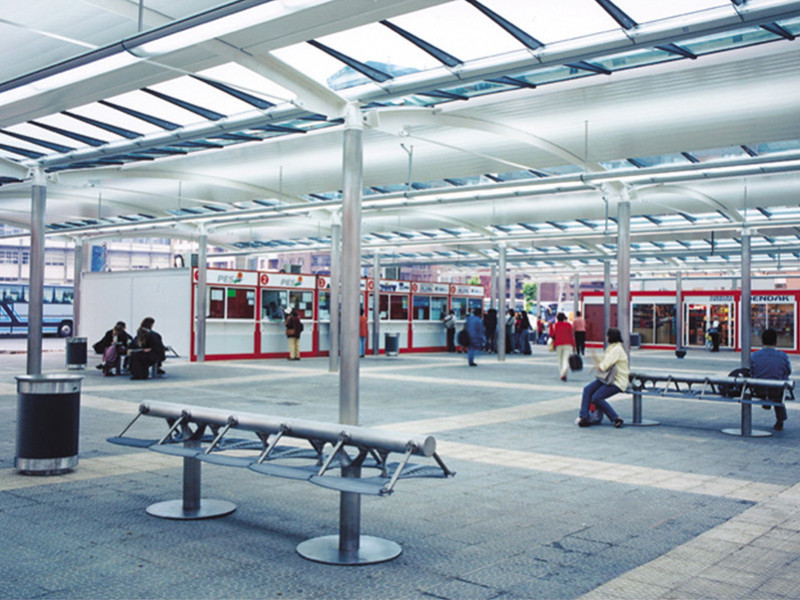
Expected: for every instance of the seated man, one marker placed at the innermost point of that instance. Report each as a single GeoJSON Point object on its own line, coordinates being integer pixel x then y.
{"type": "Point", "coordinates": [113, 345]}
{"type": "Point", "coordinates": [770, 363]}
{"type": "Point", "coordinates": [149, 350]}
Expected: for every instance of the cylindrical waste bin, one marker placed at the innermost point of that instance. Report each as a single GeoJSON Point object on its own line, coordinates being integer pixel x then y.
{"type": "Point", "coordinates": [48, 421]}
{"type": "Point", "coordinates": [392, 344]}
{"type": "Point", "coordinates": [636, 340]}
{"type": "Point", "coordinates": [76, 353]}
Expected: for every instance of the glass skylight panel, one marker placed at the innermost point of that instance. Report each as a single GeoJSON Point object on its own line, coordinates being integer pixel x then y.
{"type": "Point", "coordinates": [634, 58]}
{"type": "Point", "coordinates": [156, 107]}
{"type": "Point", "coordinates": [773, 147]}
{"type": "Point", "coordinates": [320, 66]}
{"type": "Point", "coordinates": [643, 11]}
{"type": "Point", "coordinates": [248, 81]}
{"type": "Point", "coordinates": [381, 48]}
{"type": "Point", "coordinates": [663, 160]}
{"type": "Point", "coordinates": [719, 153]}
{"type": "Point", "coordinates": [106, 114]}
{"type": "Point", "coordinates": [196, 92]}
{"type": "Point", "coordinates": [729, 40]}
{"type": "Point", "coordinates": [459, 29]}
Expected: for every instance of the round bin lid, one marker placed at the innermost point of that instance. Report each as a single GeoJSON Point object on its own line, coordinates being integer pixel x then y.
{"type": "Point", "coordinates": [51, 383]}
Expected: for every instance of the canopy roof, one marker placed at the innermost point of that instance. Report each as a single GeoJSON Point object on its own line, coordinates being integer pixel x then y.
{"type": "Point", "coordinates": [486, 122]}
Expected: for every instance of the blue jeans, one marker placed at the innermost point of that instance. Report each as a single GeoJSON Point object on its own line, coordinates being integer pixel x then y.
{"type": "Point", "coordinates": [472, 352]}
{"type": "Point", "coordinates": [597, 392]}
{"type": "Point", "coordinates": [363, 341]}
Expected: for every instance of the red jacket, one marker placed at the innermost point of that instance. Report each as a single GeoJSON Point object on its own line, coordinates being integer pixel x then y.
{"type": "Point", "coordinates": [561, 332]}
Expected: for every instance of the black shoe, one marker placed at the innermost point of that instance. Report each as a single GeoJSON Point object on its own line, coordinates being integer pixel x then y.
{"type": "Point", "coordinates": [473, 364]}
{"type": "Point", "coordinates": [161, 372]}
{"type": "Point", "coordinates": [778, 426]}
{"type": "Point", "coordinates": [765, 407]}
{"type": "Point", "coordinates": [100, 366]}
{"type": "Point", "coordinates": [618, 423]}
{"type": "Point", "coordinates": [584, 422]}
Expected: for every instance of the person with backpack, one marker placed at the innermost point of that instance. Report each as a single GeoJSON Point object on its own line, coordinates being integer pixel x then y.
{"type": "Point", "coordinates": [294, 327]}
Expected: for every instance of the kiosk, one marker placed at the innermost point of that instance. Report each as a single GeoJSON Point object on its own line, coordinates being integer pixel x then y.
{"type": "Point", "coordinates": [429, 302]}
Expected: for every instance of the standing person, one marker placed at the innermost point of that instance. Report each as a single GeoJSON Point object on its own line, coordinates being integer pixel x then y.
{"type": "Point", "coordinates": [564, 341]}
{"type": "Point", "coordinates": [151, 350]}
{"type": "Point", "coordinates": [614, 369]}
{"type": "Point", "coordinates": [579, 328]}
{"type": "Point", "coordinates": [294, 327]}
{"type": "Point", "coordinates": [450, 327]}
{"type": "Point", "coordinates": [476, 332]}
{"type": "Point", "coordinates": [490, 329]}
{"type": "Point", "coordinates": [363, 332]}
{"type": "Point", "coordinates": [524, 333]}
{"type": "Point", "coordinates": [771, 363]}
{"type": "Point", "coordinates": [716, 335]}
{"type": "Point", "coordinates": [539, 330]}
{"type": "Point", "coordinates": [510, 330]}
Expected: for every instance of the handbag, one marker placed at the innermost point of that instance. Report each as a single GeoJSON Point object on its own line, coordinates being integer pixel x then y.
{"type": "Point", "coordinates": [289, 333]}
{"type": "Point", "coordinates": [551, 345]}
{"type": "Point", "coordinates": [575, 362]}
{"type": "Point", "coordinates": [607, 377]}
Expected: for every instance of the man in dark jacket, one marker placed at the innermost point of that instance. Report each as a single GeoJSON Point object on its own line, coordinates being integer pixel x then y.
{"type": "Point", "coordinates": [476, 332]}
{"type": "Point", "coordinates": [771, 363]}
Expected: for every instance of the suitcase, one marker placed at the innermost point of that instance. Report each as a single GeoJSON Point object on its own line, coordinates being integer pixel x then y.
{"type": "Point", "coordinates": [575, 362]}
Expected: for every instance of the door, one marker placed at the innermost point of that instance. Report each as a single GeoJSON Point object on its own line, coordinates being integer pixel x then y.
{"type": "Point", "coordinates": [695, 328]}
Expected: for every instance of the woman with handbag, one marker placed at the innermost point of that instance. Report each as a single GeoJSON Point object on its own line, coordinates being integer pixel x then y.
{"type": "Point", "coordinates": [612, 378]}
{"type": "Point", "coordinates": [293, 330]}
{"type": "Point", "coordinates": [563, 342]}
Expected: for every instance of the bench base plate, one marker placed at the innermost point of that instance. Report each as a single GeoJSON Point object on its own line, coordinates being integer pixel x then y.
{"type": "Point", "coordinates": [173, 509]}
{"type": "Point", "coordinates": [371, 550]}
{"type": "Point", "coordinates": [753, 433]}
{"type": "Point", "coordinates": [642, 423]}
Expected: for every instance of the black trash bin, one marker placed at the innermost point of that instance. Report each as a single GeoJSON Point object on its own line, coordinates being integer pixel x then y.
{"type": "Point", "coordinates": [76, 353]}
{"type": "Point", "coordinates": [48, 422]}
{"type": "Point", "coordinates": [636, 340]}
{"type": "Point", "coordinates": [392, 344]}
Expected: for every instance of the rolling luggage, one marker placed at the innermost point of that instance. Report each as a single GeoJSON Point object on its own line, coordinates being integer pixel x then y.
{"type": "Point", "coordinates": [575, 362]}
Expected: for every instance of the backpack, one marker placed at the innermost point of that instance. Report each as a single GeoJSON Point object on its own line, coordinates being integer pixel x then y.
{"type": "Point", "coordinates": [731, 390]}
{"type": "Point", "coordinates": [463, 338]}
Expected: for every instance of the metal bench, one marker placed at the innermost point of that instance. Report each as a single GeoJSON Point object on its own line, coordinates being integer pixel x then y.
{"type": "Point", "coordinates": [328, 455]}
{"type": "Point", "coordinates": [747, 391]}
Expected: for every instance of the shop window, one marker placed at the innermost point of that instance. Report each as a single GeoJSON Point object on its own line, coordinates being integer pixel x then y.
{"type": "Point", "coordinates": [780, 317]}
{"type": "Point", "coordinates": [216, 303]}
{"type": "Point", "coordinates": [303, 302]}
{"type": "Point", "coordinates": [422, 308]}
{"type": "Point", "coordinates": [273, 305]}
{"type": "Point", "coordinates": [383, 306]}
{"type": "Point", "coordinates": [643, 322]}
{"type": "Point", "coordinates": [324, 306]}
{"type": "Point", "coordinates": [665, 324]}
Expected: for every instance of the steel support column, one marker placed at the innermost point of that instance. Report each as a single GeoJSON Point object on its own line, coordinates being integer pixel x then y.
{"type": "Point", "coordinates": [493, 286]}
{"type": "Point", "coordinates": [376, 305]}
{"type": "Point", "coordinates": [624, 268]}
{"type": "Point", "coordinates": [606, 299]}
{"type": "Point", "coordinates": [679, 310]}
{"type": "Point", "coordinates": [77, 277]}
{"type": "Point", "coordinates": [746, 325]}
{"type": "Point", "coordinates": [335, 293]}
{"type": "Point", "coordinates": [201, 297]}
{"type": "Point", "coordinates": [501, 307]}
{"type": "Point", "coordinates": [36, 273]}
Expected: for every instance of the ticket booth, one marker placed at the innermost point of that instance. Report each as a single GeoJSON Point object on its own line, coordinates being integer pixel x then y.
{"type": "Point", "coordinates": [394, 303]}
{"type": "Point", "coordinates": [282, 292]}
{"type": "Point", "coordinates": [429, 302]}
{"type": "Point", "coordinates": [231, 301]}
{"type": "Point", "coordinates": [465, 298]}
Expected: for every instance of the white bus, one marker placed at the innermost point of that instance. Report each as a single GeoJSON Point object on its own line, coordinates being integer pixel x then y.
{"type": "Point", "coordinates": [56, 313]}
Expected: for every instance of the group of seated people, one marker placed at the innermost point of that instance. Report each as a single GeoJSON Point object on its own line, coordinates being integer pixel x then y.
{"type": "Point", "coordinates": [136, 355]}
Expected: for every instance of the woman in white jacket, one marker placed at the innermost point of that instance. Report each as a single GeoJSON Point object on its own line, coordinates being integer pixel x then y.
{"type": "Point", "coordinates": [607, 383]}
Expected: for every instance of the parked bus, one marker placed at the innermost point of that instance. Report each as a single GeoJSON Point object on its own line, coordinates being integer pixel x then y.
{"type": "Point", "coordinates": [56, 313]}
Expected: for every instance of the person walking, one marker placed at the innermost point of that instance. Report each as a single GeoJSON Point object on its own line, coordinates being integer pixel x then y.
{"type": "Point", "coordinates": [450, 327]}
{"type": "Point", "coordinates": [294, 327]}
{"type": "Point", "coordinates": [564, 342]}
{"type": "Point", "coordinates": [363, 332]}
{"type": "Point", "coordinates": [524, 333]}
{"type": "Point", "coordinates": [771, 363]}
{"type": "Point", "coordinates": [490, 329]}
{"type": "Point", "coordinates": [612, 377]}
{"type": "Point", "coordinates": [476, 333]}
{"type": "Point", "coordinates": [579, 328]}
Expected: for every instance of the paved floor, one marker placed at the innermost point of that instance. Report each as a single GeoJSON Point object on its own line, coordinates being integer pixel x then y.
{"type": "Point", "coordinates": [538, 509]}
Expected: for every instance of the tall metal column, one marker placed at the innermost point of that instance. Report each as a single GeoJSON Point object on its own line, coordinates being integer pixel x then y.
{"type": "Point", "coordinates": [36, 275]}
{"type": "Point", "coordinates": [350, 547]}
{"type": "Point", "coordinates": [493, 286]}
{"type": "Point", "coordinates": [512, 291]}
{"type": "Point", "coordinates": [501, 306]}
{"type": "Point", "coordinates": [606, 299]}
{"type": "Point", "coordinates": [77, 276]}
{"type": "Point", "coordinates": [576, 293]}
{"type": "Point", "coordinates": [679, 310]}
{"type": "Point", "coordinates": [201, 305]}
{"type": "Point", "coordinates": [624, 268]}
{"type": "Point", "coordinates": [335, 292]}
{"type": "Point", "coordinates": [376, 305]}
{"type": "Point", "coordinates": [746, 325]}
{"type": "Point", "coordinates": [538, 311]}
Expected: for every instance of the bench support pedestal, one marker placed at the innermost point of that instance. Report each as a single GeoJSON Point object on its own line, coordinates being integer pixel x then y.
{"type": "Point", "coordinates": [371, 550]}
{"type": "Point", "coordinates": [746, 430]}
{"type": "Point", "coordinates": [638, 421]}
{"type": "Point", "coordinates": [191, 507]}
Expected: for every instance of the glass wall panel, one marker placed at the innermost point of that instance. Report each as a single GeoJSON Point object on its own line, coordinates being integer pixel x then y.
{"type": "Point", "coordinates": [422, 308]}
{"type": "Point", "coordinates": [665, 324]}
{"type": "Point", "coordinates": [324, 306]}
{"type": "Point", "coordinates": [475, 303]}
{"type": "Point", "coordinates": [241, 303]}
{"type": "Point", "coordinates": [459, 306]}
{"type": "Point", "coordinates": [216, 303]}
{"type": "Point", "coordinates": [303, 301]}
{"type": "Point", "coordinates": [398, 308]}
{"type": "Point", "coordinates": [780, 317]}
{"type": "Point", "coordinates": [643, 322]}
{"type": "Point", "coordinates": [438, 308]}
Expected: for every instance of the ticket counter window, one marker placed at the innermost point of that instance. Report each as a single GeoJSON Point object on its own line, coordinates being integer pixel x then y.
{"type": "Point", "coordinates": [303, 302]}
{"type": "Point", "coordinates": [422, 308]}
{"type": "Point", "coordinates": [324, 308]}
{"type": "Point", "coordinates": [474, 303]}
{"type": "Point", "coordinates": [273, 305]}
{"type": "Point", "coordinates": [231, 303]}
{"type": "Point", "coordinates": [438, 308]}
{"type": "Point", "coordinates": [780, 317]}
{"type": "Point", "coordinates": [459, 306]}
